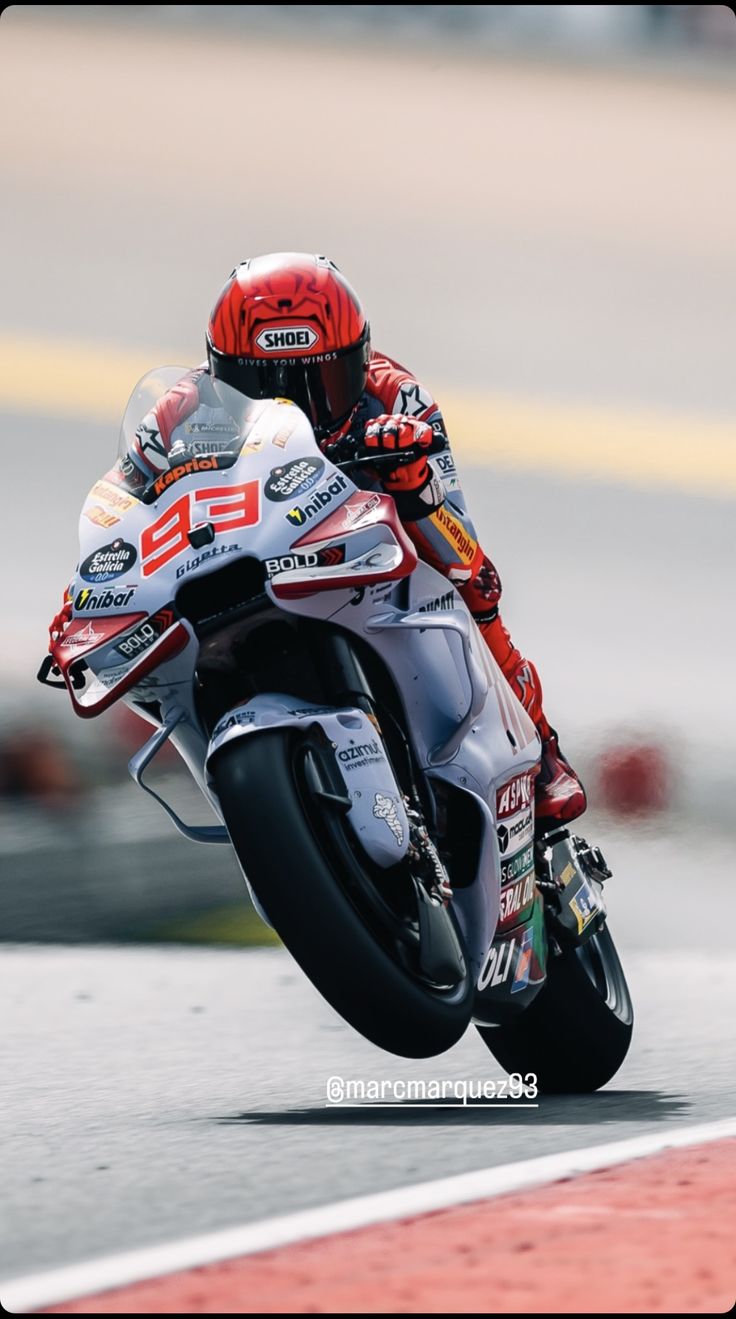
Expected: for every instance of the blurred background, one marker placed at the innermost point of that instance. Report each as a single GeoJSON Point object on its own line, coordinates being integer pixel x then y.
{"type": "Point", "coordinates": [537, 205]}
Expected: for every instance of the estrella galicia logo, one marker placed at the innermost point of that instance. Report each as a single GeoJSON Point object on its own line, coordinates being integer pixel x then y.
{"type": "Point", "coordinates": [294, 478]}
{"type": "Point", "coordinates": [298, 515]}
{"type": "Point", "coordinates": [109, 562]}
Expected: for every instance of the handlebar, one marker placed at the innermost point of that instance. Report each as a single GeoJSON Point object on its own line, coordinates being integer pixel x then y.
{"type": "Point", "coordinates": [397, 458]}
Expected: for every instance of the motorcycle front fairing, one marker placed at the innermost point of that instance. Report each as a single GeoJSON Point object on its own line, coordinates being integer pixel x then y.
{"type": "Point", "coordinates": [329, 551]}
{"type": "Point", "coordinates": [127, 637]}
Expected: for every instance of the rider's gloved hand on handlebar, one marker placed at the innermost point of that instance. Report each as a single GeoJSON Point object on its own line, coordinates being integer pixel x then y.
{"type": "Point", "coordinates": [387, 434]}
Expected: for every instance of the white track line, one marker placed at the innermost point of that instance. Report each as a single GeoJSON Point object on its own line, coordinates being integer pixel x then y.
{"type": "Point", "coordinates": [21, 1295]}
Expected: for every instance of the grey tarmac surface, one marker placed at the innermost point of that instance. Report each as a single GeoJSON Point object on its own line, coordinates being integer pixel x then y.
{"type": "Point", "coordinates": [155, 1094]}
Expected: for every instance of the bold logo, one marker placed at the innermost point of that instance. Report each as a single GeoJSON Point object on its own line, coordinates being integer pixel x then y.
{"type": "Point", "coordinates": [384, 808]}
{"type": "Point", "coordinates": [298, 516]}
{"type": "Point", "coordinates": [326, 558]}
{"type": "Point", "coordinates": [511, 834]}
{"type": "Point", "coordinates": [189, 468]}
{"type": "Point", "coordinates": [280, 341]}
{"type": "Point", "coordinates": [134, 643]}
{"type": "Point", "coordinates": [514, 796]}
{"type": "Point", "coordinates": [89, 599]}
{"type": "Point", "coordinates": [518, 864]}
{"type": "Point", "coordinates": [294, 478]}
{"type": "Point", "coordinates": [440, 602]}
{"type": "Point", "coordinates": [497, 964]}
{"type": "Point", "coordinates": [108, 562]}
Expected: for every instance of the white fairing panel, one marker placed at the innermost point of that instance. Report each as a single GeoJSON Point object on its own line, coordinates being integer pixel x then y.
{"type": "Point", "coordinates": [262, 499]}
{"type": "Point", "coordinates": [377, 811]}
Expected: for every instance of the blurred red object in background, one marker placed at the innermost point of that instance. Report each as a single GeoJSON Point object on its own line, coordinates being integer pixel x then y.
{"type": "Point", "coordinates": [35, 766]}
{"type": "Point", "coordinates": [634, 780]}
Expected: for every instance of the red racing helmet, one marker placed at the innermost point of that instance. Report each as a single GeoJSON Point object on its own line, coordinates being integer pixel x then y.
{"type": "Point", "coordinates": [288, 325]}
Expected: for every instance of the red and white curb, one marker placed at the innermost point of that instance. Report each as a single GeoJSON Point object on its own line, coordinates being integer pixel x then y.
{"type": "Point", "coordinates": [38, 1291]}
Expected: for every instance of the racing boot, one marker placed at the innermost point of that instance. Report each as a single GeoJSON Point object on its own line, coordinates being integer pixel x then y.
{"type": "Point", "coordinates": [559, 794]}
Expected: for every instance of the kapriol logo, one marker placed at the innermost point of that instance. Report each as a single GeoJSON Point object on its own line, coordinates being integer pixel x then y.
{"type": "Point", "coordinates": [293, 338]}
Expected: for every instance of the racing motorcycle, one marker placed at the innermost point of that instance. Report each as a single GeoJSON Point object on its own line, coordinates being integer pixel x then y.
{"type": "Point", "coordinates": [263, 608]}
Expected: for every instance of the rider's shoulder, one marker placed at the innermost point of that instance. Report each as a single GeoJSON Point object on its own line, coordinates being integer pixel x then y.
{"type": "Point", "coordinates": [397, 389]}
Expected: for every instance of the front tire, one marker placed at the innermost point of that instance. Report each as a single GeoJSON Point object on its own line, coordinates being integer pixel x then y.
{"type": "Point", "coordinates": [576, 1033]}
{"type": "Point", "coordinates": [299, 856]}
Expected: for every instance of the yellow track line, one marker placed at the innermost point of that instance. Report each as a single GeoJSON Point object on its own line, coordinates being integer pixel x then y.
{"type": "Point", "coordinates": [698, 455]}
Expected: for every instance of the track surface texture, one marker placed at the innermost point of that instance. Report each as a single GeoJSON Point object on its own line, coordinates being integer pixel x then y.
{"type": "Point", "coordinates": [154, 1094]}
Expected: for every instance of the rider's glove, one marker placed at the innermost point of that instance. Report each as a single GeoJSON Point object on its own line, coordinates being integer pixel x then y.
{"type": "Point", "coordinates": [392, 434]}
{"type": "Point", "coordinates": [61, 621]}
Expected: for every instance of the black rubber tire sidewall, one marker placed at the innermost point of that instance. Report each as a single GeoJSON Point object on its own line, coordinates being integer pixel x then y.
{"type": "Point", "coordinates": [316, 921]}
{"type": "Point", "coordinates": [568, 1036]}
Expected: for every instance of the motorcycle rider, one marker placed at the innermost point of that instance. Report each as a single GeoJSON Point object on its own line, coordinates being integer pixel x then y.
{"type": "Point", "coordinates": [289, 325]}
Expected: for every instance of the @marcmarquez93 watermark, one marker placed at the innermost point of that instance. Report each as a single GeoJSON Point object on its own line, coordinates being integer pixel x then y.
{"type": "Point", "coordinates": [514, 1091]}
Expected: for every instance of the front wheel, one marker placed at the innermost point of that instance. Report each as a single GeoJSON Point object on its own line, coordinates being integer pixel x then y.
{"type": "Point", "coordinates": [353, 928]}
{"type": "Point", "coordinates": [576, 1033]}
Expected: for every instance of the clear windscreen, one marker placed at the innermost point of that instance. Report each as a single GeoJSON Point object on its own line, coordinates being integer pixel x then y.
{"type": "Point", "coordinates": [218, 425]}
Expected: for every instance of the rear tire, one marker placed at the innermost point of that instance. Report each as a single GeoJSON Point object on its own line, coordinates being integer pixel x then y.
{"type": "Point", "coordinates": [576, 1033]}
{"type": "Point", "coordinates": [299, 877]}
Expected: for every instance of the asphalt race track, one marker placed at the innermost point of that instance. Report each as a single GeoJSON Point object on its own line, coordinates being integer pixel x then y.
{"type": "Point", "coordinates": [156, 1094]}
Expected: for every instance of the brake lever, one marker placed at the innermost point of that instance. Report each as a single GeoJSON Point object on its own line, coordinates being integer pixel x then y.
{"type": "Point", "coordinates": [397, 458]}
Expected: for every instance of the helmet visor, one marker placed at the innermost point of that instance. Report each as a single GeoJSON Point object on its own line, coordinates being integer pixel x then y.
{"type": "Point", "coordinates": [326, 388]}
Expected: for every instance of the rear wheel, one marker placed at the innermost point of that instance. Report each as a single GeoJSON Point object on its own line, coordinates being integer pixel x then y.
{"type": "Point", "coordinates": [576, 1032]}
{"type": "Point", "coordinates": [354, 928]}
